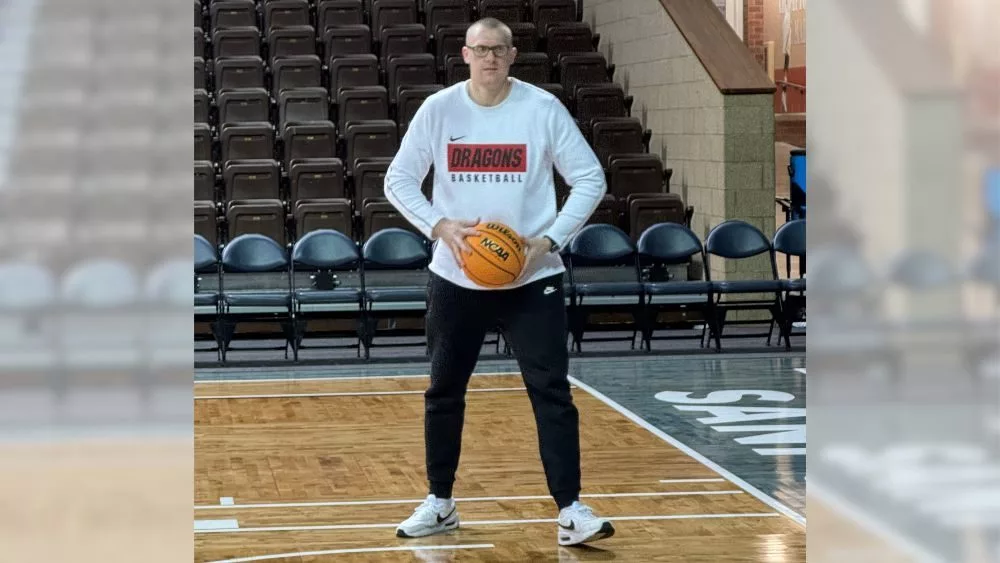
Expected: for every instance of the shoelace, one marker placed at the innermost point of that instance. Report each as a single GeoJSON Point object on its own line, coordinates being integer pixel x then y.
{"type": "Point", "coordinates": [583, 510]}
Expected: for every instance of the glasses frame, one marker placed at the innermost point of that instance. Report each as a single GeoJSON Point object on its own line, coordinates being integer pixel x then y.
{"type": "Point", "coordinates": [490, 49]}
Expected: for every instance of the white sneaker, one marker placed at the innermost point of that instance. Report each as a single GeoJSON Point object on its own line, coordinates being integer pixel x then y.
{"type": "Point", "coordinates": [577, 524]}
{"type": "Point", "coordinates": [433, 516]}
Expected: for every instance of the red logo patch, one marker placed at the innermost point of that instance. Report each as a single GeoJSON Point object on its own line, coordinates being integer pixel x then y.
{"type": "Point", "coordinates": [487, 158]}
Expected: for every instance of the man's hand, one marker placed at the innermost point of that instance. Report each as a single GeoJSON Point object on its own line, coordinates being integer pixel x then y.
{"type": "Point", "coordinates": [534, 249]}
{"type": "Point", "coordinates": [452, 232]}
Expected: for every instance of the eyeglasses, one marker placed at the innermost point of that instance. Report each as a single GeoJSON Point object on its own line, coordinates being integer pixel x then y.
{"type": "Point", "coordinates": [481, 50]}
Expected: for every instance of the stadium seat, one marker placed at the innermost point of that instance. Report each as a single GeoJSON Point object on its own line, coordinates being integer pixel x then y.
{"type": "Point", "coordinates": [207, 283]}
{"type": "Point", "coordinates": [365, 103]}
{"type": "Point", "coordinates": [549, 13]}
{"type": "Point", "coordinates": [507, 11]}
{"type": "Point", "coordinates": [335, 13]}
{"type": "Point", "coordinates": [556, 90]}
{"type": "Point", "coordinates": [316, 179]}
{"type": "Point", "coordinates": [643, 210]}
{"type": "Point", "coordinates": [617, 135]}
{"type": "Point", "coordinates": [600, 100]}
{"type": "Point", "coordinates": [635, 173]}
{"type": "Point", "coordinates": [581, 69]}
{"type": "Point", "coordinates": [395, 268]}
{"type": "Point", "coordinates": [251, 262]}
{"type": "Point", "coordinates": [533, 68]}
{"type": "Point", "coordinates": [525, 36]}
{"type": "Point", "coordinates": [28, 297]}
{"type": "Point", "coordinates": [410, 100]}
{"type": "Point", "coordinates": [386, 13]}
{"type": "Point", "coordinates": [201, 106]}
{"type": "Point", "coordinates": [332, 214]}
{"type": "Point", "coordinates": [380, 215]}
{"type": "Point", "coordinates": [371, 139]}
{"type": "Point", "coordinates": [455, 70]}
{"type": "Point", "coordinates": [247, 141]}
{"type": "Point", "coordinates": [285, 13]}
{"type": "Point", "coordinates": [303, 105]}
{"type": "Point", "coordinates": [738, 240]}
{"type": "Point", "coordinates": [305, 71]}
{"type": "Point", "coordinates": [206, 223]}
{"type": "Point", "coordinates": [200, 74]}
{"type": "Point", "coordinates": [347, 40]}
{"type": "Point", "coordinates": [408, 39]}
{"type": "Point", "coordinates": [326, 281]}
{"type": "Point", "coordinates": [233, 14]}
{"type": "Point", "coordinates": [246, 180]}
{"type": "Point", "coordinates": [202, 142]}
{"type": "Point", "coordinates": [244, 106]}
{"type": "Point", "coordinates": [353, 71]}
{"type": "Point", "coordinates": [204, 181]}
{"type": "Point", "coordinates": [309, 141]}
{"type": "Point", "coordinates": [661, 246]}
{"type": "Point", "coordinates": [265, 217]}
{"type": "Point", "coordinates": [410, 70]}
{"type": "Point", "coordinates": [449, 42]}
{"type": "Point", "coordinates": [440, 13]}
{"type": "Point", "coordinates": [236, 42]}
{"type": "Point", "coordinates": [790, 240]}
{"type": "Point", "coordinates": [603, 271]}
{"type": "Point", "coordinates": [568, 37]}
{"type": "Point", "coordinates": [238, 73]}
{"type": "Point", "coordinates": [294, 41]}
{"type": "Point", "coordinates": [369, 181]}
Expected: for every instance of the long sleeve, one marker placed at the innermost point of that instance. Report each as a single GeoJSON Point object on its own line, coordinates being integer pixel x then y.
{"type": "Point", "coordinates": [407, 171]}
{"type": "Point", "coordinates": [581, 169]}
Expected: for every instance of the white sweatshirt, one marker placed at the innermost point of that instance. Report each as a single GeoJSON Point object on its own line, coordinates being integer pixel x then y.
{"type": "Point", "coordinates": [496, 163]}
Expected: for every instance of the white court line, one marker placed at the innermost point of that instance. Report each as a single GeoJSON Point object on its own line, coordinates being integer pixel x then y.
{"type": "Point", "coordinates": [760, 495]}
{"type": "Point", "coordinates": [227, 524]}
{"type": "Point", "coordinates": [801, 370]}
{"type": "Point", "coordinates": [473, 523]}
{"type": "Point", "coordinates": [344, 394]}
{"type": "Point", "coordinates": [356, 550]}
{"type": "Point", "coordinates": [335, 378]}
{"type": "Point", "coordinates": [692, 480]}
{"type": "Point", "coordinates": [468, 499]}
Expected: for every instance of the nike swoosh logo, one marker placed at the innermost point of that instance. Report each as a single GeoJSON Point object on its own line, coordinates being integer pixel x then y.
{"type": "Point", "coordinates": [440, 519]}
{"type": "Point", "coordinates": [548, 290]}
{"type": "Point", "coordinates": [571, 527]}
{"type": "Point", "coordinates": [453, 139]}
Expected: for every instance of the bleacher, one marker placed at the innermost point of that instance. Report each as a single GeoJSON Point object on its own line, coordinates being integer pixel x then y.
{"type": "Point", "coordinates": [300, 106]}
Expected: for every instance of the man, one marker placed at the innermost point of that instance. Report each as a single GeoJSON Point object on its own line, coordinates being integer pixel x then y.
{"type": "Point", "coordinates": [493, 141]}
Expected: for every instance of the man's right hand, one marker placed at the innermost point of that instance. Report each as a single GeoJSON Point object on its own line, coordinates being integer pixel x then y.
{"type": "Point", "coordinates": [452, 232]}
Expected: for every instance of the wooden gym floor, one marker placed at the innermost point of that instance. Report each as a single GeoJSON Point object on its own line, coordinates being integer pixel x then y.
{"type": "Point", "coordinates": [323, 470]}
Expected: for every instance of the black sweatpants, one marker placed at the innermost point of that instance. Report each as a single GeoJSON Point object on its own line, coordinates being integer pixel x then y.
{"type": "Point", "coordinates": [533, 319]}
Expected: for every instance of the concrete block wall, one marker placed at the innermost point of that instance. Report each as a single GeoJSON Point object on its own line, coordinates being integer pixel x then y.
{"type": "Point", "coordinates": [721, 147]}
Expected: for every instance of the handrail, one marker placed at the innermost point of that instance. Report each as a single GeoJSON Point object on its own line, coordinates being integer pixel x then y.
{"type": "Point", "coordinates": [785, 83]}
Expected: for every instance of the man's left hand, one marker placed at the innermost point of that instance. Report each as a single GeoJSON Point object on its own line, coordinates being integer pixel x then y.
{"type": "Point", "coordinates": [534, 250]}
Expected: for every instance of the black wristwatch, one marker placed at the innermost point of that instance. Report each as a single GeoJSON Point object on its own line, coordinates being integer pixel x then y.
{"type": "Point", "coordinates": [554, 247]}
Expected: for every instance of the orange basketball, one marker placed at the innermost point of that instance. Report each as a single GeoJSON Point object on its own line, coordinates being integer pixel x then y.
{"type": "Point", "coordinates": [497, 255]}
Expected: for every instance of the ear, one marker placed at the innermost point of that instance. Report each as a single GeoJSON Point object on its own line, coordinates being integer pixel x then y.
{"type": "Point", "coordinates": [513, 54]}
{"type": "Point", "coordinates": [467, 55]}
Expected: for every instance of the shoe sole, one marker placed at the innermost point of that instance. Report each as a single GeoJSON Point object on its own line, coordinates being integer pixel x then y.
{"type": "Point", "coordinates": [444, 527]}
{"type": "Point", "coordinates": [605, 532]}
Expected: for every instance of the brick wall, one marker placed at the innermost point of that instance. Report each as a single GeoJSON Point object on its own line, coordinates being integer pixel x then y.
{"type": "Point", "coordinates": [720, 147]}
{"type": "Point", "coordinates": [753, 30]}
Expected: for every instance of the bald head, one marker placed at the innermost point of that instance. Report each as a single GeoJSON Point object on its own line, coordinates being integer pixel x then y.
{"type": "Point", "coordinates": [492, 26]}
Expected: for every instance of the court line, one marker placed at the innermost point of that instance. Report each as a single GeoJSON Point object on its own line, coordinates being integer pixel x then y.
{"type": "Point", "coordinates": [757, 493]}
{"type": "Point", "coordinates": [801, 370]}
{"type": "Point", "coordinates": [356, 550]}
{"type": "Point", "coordinates": [473, 523]}
{"type": "Point", "coordinates": [227, 524]}
{"type": "Point", "coordinates": [344, 394]}
{"type": "Point", "coordinates": [714, 480]}
{"type": "Point", "coordinates": [467, 499]}
{"type": "Point", "coordinates": [335, 378]}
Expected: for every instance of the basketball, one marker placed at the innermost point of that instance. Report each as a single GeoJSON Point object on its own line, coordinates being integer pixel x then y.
{"type": "Point", "coordinates": [497, 255]}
